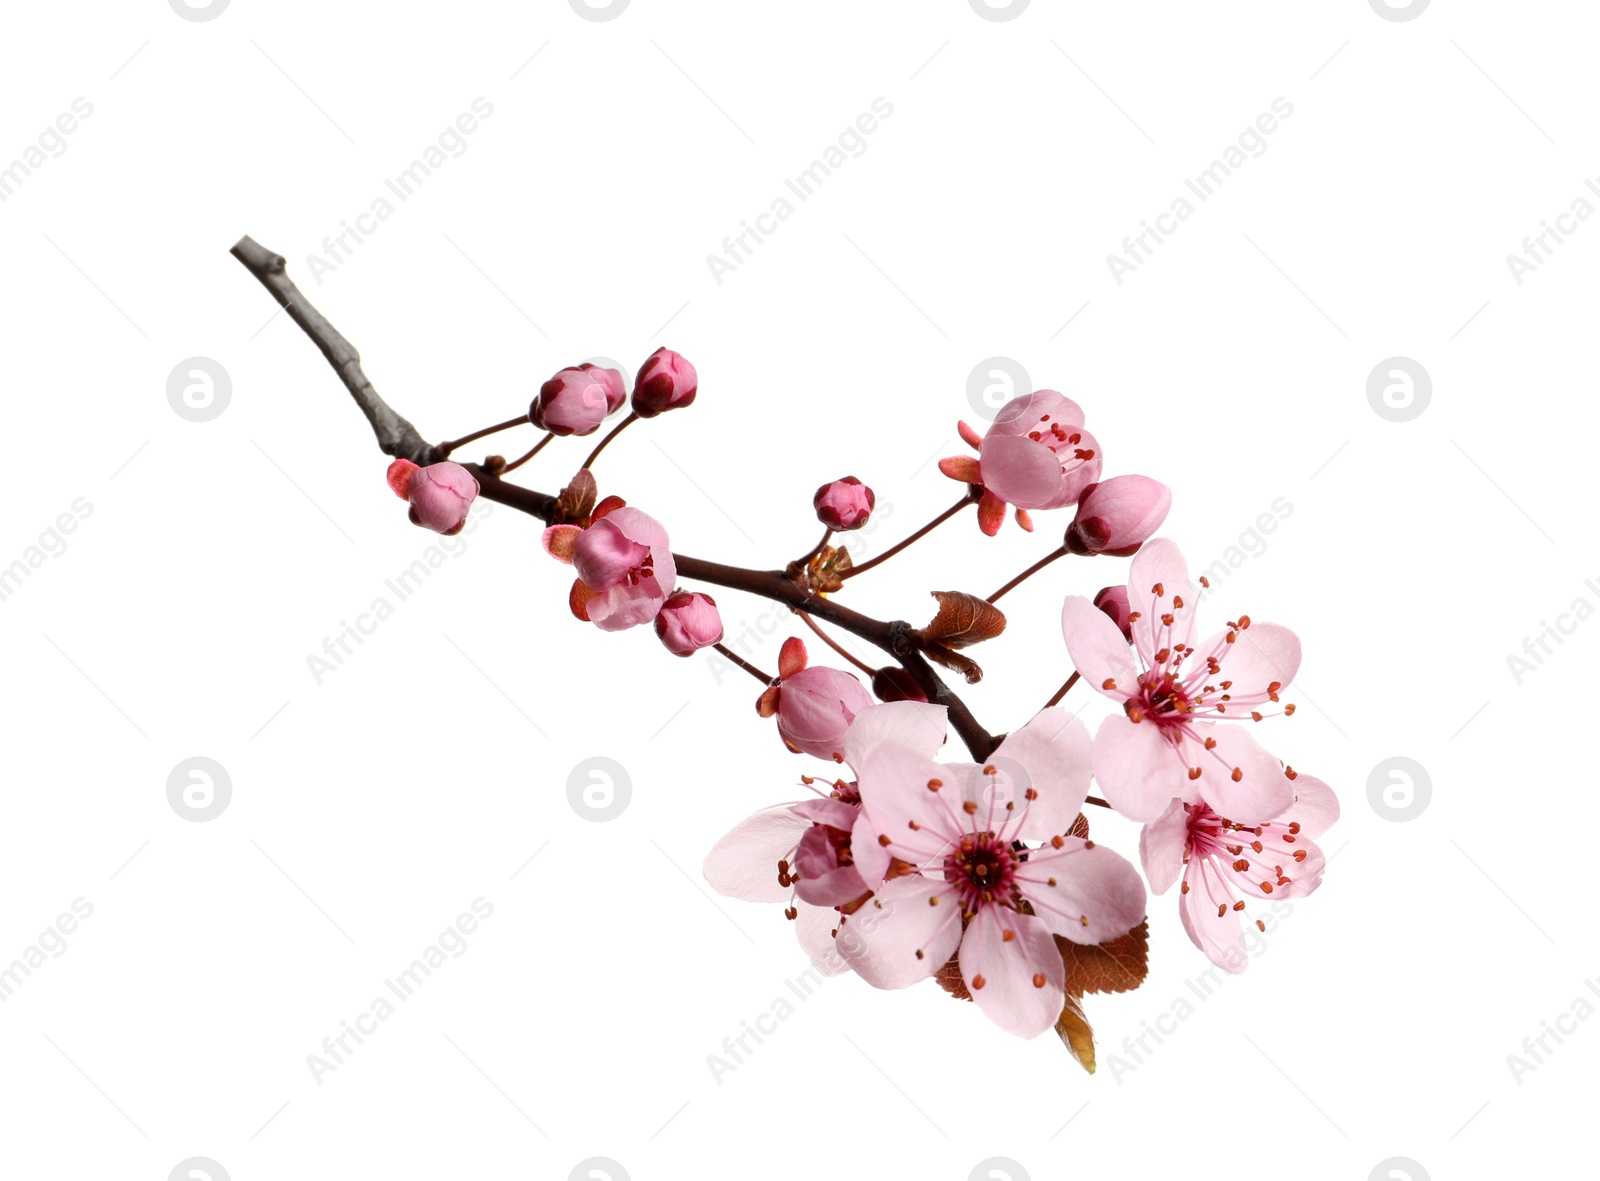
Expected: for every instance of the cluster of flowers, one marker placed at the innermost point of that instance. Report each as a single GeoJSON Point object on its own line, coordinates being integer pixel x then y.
{"type": "Point", "coordinates": [980, 871]}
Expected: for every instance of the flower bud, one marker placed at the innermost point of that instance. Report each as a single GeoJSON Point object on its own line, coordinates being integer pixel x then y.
{"type": "Point", "coordinates": [844, 504]}
{"type": "Point", "coordinates": [615, 384]}
{"type": "Point", "coordinates": [666, 381]}
{"type": "Point", "coordinates": [895, 684]}
{"type": "Point", "coordinates": [1118, 515]}
{"type": "Point", "coordinates": [440, 495]}
{"type": "Point", "coordinates": [816, 706]}
{"type": "Point", "coordinates": [1114, 602]}
{"type": "Point", "coordinates": [687, 622]}
{"type": "Point", "coordinates": [573, 402]}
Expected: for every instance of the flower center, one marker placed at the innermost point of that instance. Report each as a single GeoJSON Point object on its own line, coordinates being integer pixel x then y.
{"type": "Point", "coordinates": [1063, 440]}
{"type": "Point", "coordinates": [983, 870]}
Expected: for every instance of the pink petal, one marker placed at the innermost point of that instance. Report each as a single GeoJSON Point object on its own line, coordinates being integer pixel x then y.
{"type": "Point", "coordinates": [872, 859]}
{"type": "Point", "coordinates": [829, 811]}
{"type": "Point", "coordinates": [744, 863]}
{"type": "Point", "coordinates": [823, 881]}
{"type": "Point", "coordinates": [913, 724]}
{"type": "Point", "coordinates": [1097, 895]}
{"type": "Point", "coordinates": [1138, 770]}
{"type": "Point", "coordinates": [1098, 650]}
{"type": "Point", "coordinates": [1261, 790]}
{"type": "Point", "coordinates": [1220, 936]}
{"type": "Point", "coordinates": [1315, 806]}
{"type": "Point", "coordinates": [918, 822]}
{"type": "Point", "coordinates": [1019, 470]}
{"type": "Point", "coordinates": [814, 927]}
{"type": "Point", "coordinates": [1162, 845]}
{"type": "Point", "coordinates": [1011, 967]}
{"type": "Point", "coordinates": [1051, 755]}
{"type": "Point", "coordinates": [1160, 563]}
{"type": "Point", "coordinates": [1260, 655]}
{"type": "Point", "coordinates": [1023, 414]}
{"type": "Point", "coordinates": [905, 934]}
{"type": "Point", "coordinates": [604, 553]}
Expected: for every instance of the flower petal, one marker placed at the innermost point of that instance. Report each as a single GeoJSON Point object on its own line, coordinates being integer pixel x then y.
{"type": "Point", "coordinates": [1261, 661]}
{"type": "Point", "coordinates": [1161, 564]}
{"type": "Point", "coordinates": [1238, 778]}
{"type": "Point", "coordinates": [1019, 470]}
{"type": "Point", "coordinates": [1083, 891]}
{"type": "Point", "coordinates": [1210, 920]}
{"type": "Point", "coordinates": [918, 821]}
{"type": "Point", "coordinates": [1013, 970]}
{"type": "Point", "coordinates": [1139, 771]}
{"type": "Point", "coordinates": [1098, 650]}
{"type": "Point", "coordinates": [744, 863]}
{"type": "Point", "coordinates": [814, 928]}
{"type": "Point", "coordinates": [913, 724]}
{"type": "Point", "coordinates": [905, 934]}
{"type": "Point", "coordinates": [1051, 755]}
{"type": "Point", "coordinates": [1315, 806]}
{"type": "Point", "coordinates": [1162, 845]}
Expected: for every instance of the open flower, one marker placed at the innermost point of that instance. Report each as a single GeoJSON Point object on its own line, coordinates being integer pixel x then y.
{"type": "Point", "coordinates": [1171, 740]}
{"type": "Point", "coordinates": [1035, 454]}
{"type": "Point", "coordinates": [814, 706]}
{"type": "Point", "coordinates": [953, 871]}
{"type": "Point", "coordinates": [624, 565]}
{"type": "Point", "coordinates": [1218, 860]}
{"type": "Point", "coordinates": [802, 853]}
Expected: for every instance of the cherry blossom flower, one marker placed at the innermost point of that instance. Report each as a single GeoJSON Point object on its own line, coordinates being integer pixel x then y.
{"type": "Point", "coordinates": [666, 381]}
{"type": "Point", "coordinates": [952, 868]}
{"type": "Point", "coordinates": [814, 706]}
{"type": "Point", "coordinates": [844, 504]}
{"type": "Point", "coordinates": [1035, 454]}
{"type": "Point", "coordinates": [689, 621]}
{"type": "Point", "coordinates": [1218, 860]}
{"type": "Point", "coordinates": [624, 566]}
{"type": "Point", "coordinates": [1172, 739]}
{"type": "Point", "coordinates": [440, 494]}
{"type": "Point", "coordinates": [801, 853]}
{"type": "Point", "coordinates": [1117, 516]}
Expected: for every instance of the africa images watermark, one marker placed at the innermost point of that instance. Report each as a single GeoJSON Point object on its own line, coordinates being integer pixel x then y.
{"type": "Point", "coordinates": [1538, 647]}
{"type": "Point", "coordinates": [50, 143]}
{"type": "Point", "coordinates": [51, 543]}
{"type": "Point", "coordinates": [339, 248]}
{"type": "Point", "coordinates": [1537, 1048]}
{"type": "Point", "coordinates": [1538, 249]}
{"type": "Point", "coordinates": [1139, 249]}
{"type": "Point", "coordinates": [52, 941]}
{"type": "Point", "coordinates": [738, 248]}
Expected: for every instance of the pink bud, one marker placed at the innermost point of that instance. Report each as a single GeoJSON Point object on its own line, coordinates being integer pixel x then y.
{"type": "Point", "coordinates": [1118, 515]}
{"type": "Point", "coordinates": [1114, 602]}
{"type": "Point", "coordinates": [844, 504]}
{"type": "Point", "coordinates": [440, 495]}
{"type": "Point", "coordinates": [687, 622]}
{"type": "Point", "coordinates": [616, 385]}
{"type": "Point", "coordinates": [816, 706]}
{"type": "Point", "coordinates": [666, 381]}
{"type": "Point", "coordinates": [825, 879]}
{"type": "Point", "coordinates": [573, 402]}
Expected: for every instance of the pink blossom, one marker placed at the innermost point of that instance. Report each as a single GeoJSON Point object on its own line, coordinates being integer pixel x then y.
{"type": "Point", "coordinates": [844, 504]}
{"type": "Point", "coordinates": [1035, 455]}
{"type": "Point", "coordinates": [802, 853]}
{"type": "Point", "coordinates": [666, 381]}
{"type": "Point", "coordinates": [814, 706]}
{"type": "Point", "coordinates": [966, 888]}
{"type": "Point", "coordinates": [1118, 515]}
{"type": "Point", "coordinates": [1172, 739]}
{"type": "Point", "coordinates": [625, 569]}
{"type": "Point", "coordinates": [612, 381]}
{"type": "Point", "coordinates": [689, 621]}
{"type": "Point", "coordinates": [440, 495]}
{"type": "Point", "coordinates": [573, 402]}
{"type": "Point", "coordinates": [1218, 860]}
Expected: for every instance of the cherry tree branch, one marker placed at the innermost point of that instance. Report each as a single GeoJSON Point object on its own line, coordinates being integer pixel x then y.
{"type": "Point", "coordinates": [397, 437]}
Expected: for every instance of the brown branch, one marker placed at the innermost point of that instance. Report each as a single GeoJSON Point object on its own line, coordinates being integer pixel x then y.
{"type": "Point", "coordinates": [397, 437]}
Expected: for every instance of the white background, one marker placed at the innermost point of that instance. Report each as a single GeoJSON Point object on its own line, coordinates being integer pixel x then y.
{"type": "Point", "coordinates": [372, 808]}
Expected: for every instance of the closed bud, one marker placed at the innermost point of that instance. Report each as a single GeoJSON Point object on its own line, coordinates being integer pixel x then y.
{"type": "Point", "coordinates": [1114, 602]}
{"type": "Point", "coordinates": [844, 504]}
{"type": "Point", "coordinates": [1118, 515]}
{"type": "Point", "coordinates": [666, 381]}
{"type": "Point", "coordinates": [689, 621]}
{"type": "Point", "coordinates": [440, 495]}
{"type": "Point", "coordinates": [573, 402]}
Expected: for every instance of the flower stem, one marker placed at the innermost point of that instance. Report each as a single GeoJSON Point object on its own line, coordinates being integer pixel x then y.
{"type": "Point", "coordinates": [615, 431]}
{"type": "Point", "coordinates": [955, 508]}
{"type": "Point", "coordinates": [829, 640]}
{"type": "Point", "coordinates": [1096, 800]}
{"type": "Point", "coordinates": [1028, 573]}
{"type": "Point", "coordinates": [537, 447]}
{"type": "Point", "coordinates": [1063, 691]}
{"type": "Point", "coordinates": [802, 563]}
{"type": "Point", "coordinates": [744, 664]}
{"type": "Point", "coordinates": [445, 448]}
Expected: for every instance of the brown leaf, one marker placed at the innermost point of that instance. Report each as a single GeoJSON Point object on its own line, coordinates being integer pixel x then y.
{"type": "Point", "coordinates": [1118, 965]}
{"type": "Point", "coordinates": [576, 501]}
{"type": "Point", "coordinates": [949, 978]}
{"type": "Point", "coordinates": [1072, 1027]}
{"type": "Point", "coordinates": [964, 620]}
{"type": "Point", "coordinates": [1080, 827]}
{"type": "Point", "coordinates": [964, 665]}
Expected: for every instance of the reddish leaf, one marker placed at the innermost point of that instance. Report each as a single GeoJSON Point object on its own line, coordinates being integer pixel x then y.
{"type": "Point", "coordinates": [964, 620]}
{"type": "Point", "coordinates": [1072, 1027]}
{"type": "Point", "coordinates": [791, 657]}
{"type": "Point", "coordinates": [1118, 965]}
{"type": "Point", "coordinates": [964, 665]}
{"type": "Point", "coordinates": [826, 571]}
{"type": "Point", "coordinates": [576, 501]}
{"type": "Point", "coordinates": [949, 978]}
{"type": "Point", "coordinates": [1080, 827]}
{"type": "Point", "coordinates": [579, 598]}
